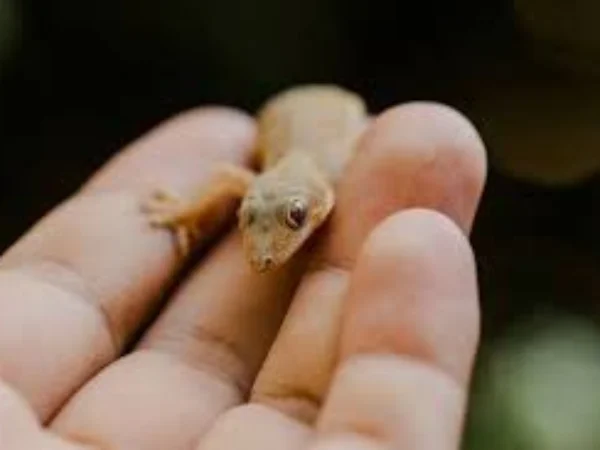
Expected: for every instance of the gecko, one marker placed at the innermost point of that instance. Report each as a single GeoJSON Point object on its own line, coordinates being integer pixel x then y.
{"type": "Point", "coordinates": [306, 136]}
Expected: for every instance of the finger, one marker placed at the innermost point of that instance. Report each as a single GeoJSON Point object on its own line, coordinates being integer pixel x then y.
{"type": "Point", "coordinates": [76, 288]}
{"type": "Point", "coordinates": [408, 338]}
{"type": "Point", "coordinates": [404, 161]}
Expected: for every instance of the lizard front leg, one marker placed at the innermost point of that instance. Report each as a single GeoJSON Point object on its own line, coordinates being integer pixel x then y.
{"type": "Point", "coordinates": [187, 218]}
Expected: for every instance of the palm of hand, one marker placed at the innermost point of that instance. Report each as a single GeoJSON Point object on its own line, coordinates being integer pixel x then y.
{"type": "Point", "coordinates": [369, 347]}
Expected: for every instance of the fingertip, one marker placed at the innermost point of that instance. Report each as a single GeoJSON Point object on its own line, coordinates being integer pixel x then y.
{"type": "Point", "coordinates": [416, 235]}
{"type": "Point", "coordinates": [217, 112]}
{"type": "Point", "coordinates": [222, 122]}
{"type": "Point", "coordinates": [414, 291]}
{"type": "Point", "coordinates": [418, 155]}
{"type": "Point", "coordinates": [180, 150]}
{"type": "Point", "coordinates": [438, 152]}
{"type": "Point", "coordinates": [427, 130]}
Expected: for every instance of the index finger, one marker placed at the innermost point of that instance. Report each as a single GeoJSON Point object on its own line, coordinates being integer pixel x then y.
{"type": "Point", "coordinates": [76, 288]}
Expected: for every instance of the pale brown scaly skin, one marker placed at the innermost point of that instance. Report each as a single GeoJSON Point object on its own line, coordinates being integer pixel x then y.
{"type": "Point", "coordinates": [306, 136]}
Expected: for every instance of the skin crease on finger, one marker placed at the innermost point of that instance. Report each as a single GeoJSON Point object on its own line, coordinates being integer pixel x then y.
{"type": "Point", "coordinates": [407, 171]}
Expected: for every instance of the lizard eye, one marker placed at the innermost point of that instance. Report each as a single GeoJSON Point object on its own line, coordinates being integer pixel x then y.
{"type": "Point", "coordinates": [296, 214]}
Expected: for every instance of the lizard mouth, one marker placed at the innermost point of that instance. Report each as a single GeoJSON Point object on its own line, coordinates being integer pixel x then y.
{"type": "Point", "coordinates": [263, 264]}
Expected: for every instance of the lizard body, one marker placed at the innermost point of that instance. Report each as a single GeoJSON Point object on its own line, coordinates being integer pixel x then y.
{"type": "Point", "coordinates": [306, 136]}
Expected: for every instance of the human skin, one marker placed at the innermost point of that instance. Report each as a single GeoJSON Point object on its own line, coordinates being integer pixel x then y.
{"type": "Point", "coordinates": [364, 341]}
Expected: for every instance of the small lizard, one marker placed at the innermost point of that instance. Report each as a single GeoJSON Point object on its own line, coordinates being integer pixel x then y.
{"type": "Point", "coordinates": [306, 136]}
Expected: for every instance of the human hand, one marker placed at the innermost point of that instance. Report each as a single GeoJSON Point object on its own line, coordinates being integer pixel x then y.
{"type": "Point", "coordinates": [369, 348]}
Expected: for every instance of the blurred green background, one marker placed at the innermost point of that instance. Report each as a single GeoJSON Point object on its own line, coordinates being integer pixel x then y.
{"type": "Point", "coordinates": [80, 79]}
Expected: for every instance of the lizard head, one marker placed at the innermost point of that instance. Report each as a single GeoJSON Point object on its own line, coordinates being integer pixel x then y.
{"type": "Point", "coordinates": [276, 222]}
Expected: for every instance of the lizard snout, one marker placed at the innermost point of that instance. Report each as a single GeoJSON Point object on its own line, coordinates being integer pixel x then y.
{"type": "Point", "coordinates": [263, 263]}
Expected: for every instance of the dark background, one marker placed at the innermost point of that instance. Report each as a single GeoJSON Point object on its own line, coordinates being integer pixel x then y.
{"type": "Point", "coordinates": [80, 79]}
